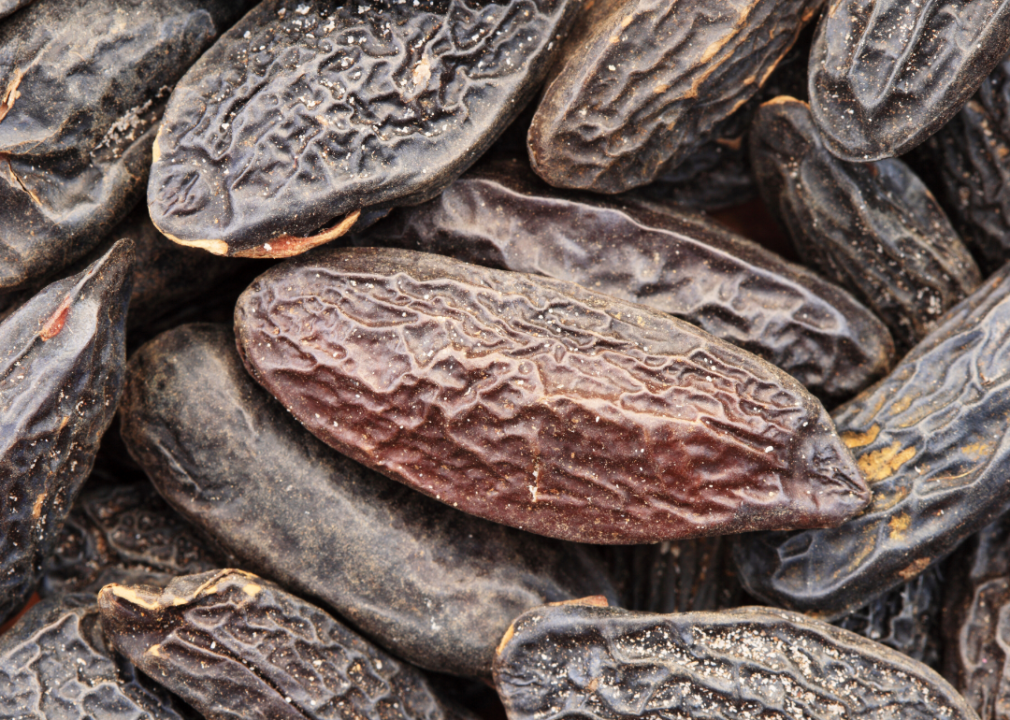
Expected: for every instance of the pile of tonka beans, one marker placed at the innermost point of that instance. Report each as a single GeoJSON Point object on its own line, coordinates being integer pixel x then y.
{"type": "Point", "coordinates": [486, 359]}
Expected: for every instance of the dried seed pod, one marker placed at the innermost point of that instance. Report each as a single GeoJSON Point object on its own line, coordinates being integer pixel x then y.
{"type": "Point", "coordinates": [334, 108]}
{"type": "Point", "coordinates": [118, 529]}
{"type": "Point", "coordinates": [62, 358]}
{"type": "Point", "coordinates": [932, 440]}
{"type": "Point", "coordinates": [874, 229]}
{"type": "Point", "coordinates": [55, 665]}
{"type": "Point", "coordinates": [235, 645]}
{"type": "Point", "coordinates": [887, 74]}
{"type": "Point", "coordinates": [906, 619]}
{"type": "Point", "coordinates": [755, 662]}
{"type": "Point", "coordinates": [538, 404]}
{"type": "Point", "coordinates": [500, 215]}
{"type": "Point", "coordinates": [967, 164]}
{"type": "Point", "coordinates": [976, 621]}
{"type": "Point", "coordinates": [434, 586]}
{"type": "Point", "coordinates": [77, 117]}
{"type": "Point", "coordinates": [641, 84]}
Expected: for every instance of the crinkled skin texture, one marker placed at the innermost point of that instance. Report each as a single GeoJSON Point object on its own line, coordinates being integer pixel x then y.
{"type": "Point", "coordinates": [906, 619]}
{"type": "Point", "coordinates": [610, 664]}
{"type": "Point", "coordinates": [966, 164]}
{"type": "Point", "coordinates": [502, 216]}
{"type": "Point", "coordinates": [976, 621]}
{"type": "Point", "coordinates": [482, 388]}
{"type": "Point", "coordinates": [887, 74]}
{"type": "Point", "coordinates": [932, 440]}
{"type": "Point", "coordinates": [238, 647]}
{"type": "Point", "coordinates": [82, 86]}
{"type": "Point", "coordinates": [295, 119]}
{"type": "Point", "coordinates": [62, 358]}
{"type": "Point", "coordinates": [432, 585]}
{"type": "Point", "coordinates": [55, 665]}
{"type": "Point", "coordinates": [124, 528]}
{"type": "Point", "coordinates": [875, 229]}
{"type": "Point", "coordinates": [643, 83]}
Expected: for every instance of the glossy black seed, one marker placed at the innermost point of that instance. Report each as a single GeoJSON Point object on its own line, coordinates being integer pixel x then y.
{"type": "Point", "coordinates": [643, 83]}
{"type": "Point", "coordinates": [967, 165]}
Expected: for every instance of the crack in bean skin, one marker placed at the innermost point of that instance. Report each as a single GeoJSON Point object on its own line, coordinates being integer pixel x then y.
{"type": "Point", "coordinates": [82, 86]}
{"type": "Point", "coordinates": [644, 83]}
{"type": "Point", "coordinates": [538, 404]}
{"type": "Point", "coordinates": [887, 74]}
{"type": "Point", "coordinates": [234, 645]}
{"type": "Point", "coordinates": [62, 358]}
{"type": "Point", "coordinates": [299, 116]}
{"type": "Point", "coordinates": [501, 215]}
{"type": "Point", "coordinates": [872, 228]}
{"type": "Point", "coordinates": [932, 440]}
{"type": "Point", "coordinates": [55, 665]}
{"type": "Point", "coordinates": [431, 584]}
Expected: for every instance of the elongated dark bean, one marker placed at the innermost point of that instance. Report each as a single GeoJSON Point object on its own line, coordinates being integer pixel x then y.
{"type": "Point", "coordinates": [754, 662]}
{"type": "Point", "coordinates": [538, 404]}
{"type": "Point", "coordinates": [501, 216]}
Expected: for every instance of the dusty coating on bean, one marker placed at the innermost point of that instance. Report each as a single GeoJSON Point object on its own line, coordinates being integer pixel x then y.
{"type": "Point", "coordinates": [875, 229]}
{"type": "Point", "coordinates": [932, 442]}
{"type": "Point", "coordinates": [83, 84]}
{"type": "Point", "coordinates": [501, 215]}
{"type": "Point", "coordinates": [62, 361]}
{"type": "Point", "coordinates": [887, 74]}
{"type": "Point", "coordinates": [610, 664]}
{"type": "Point", "coordinates": [643, 83]}
{"type": "Point", "coordinates": [271, 655]}
{"type": "Point", "coordinates": [55, 664]}
{"type": "Point", "coordinates": [307, 112]}
{"type": "Point", "coordinates": [538, 404]}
